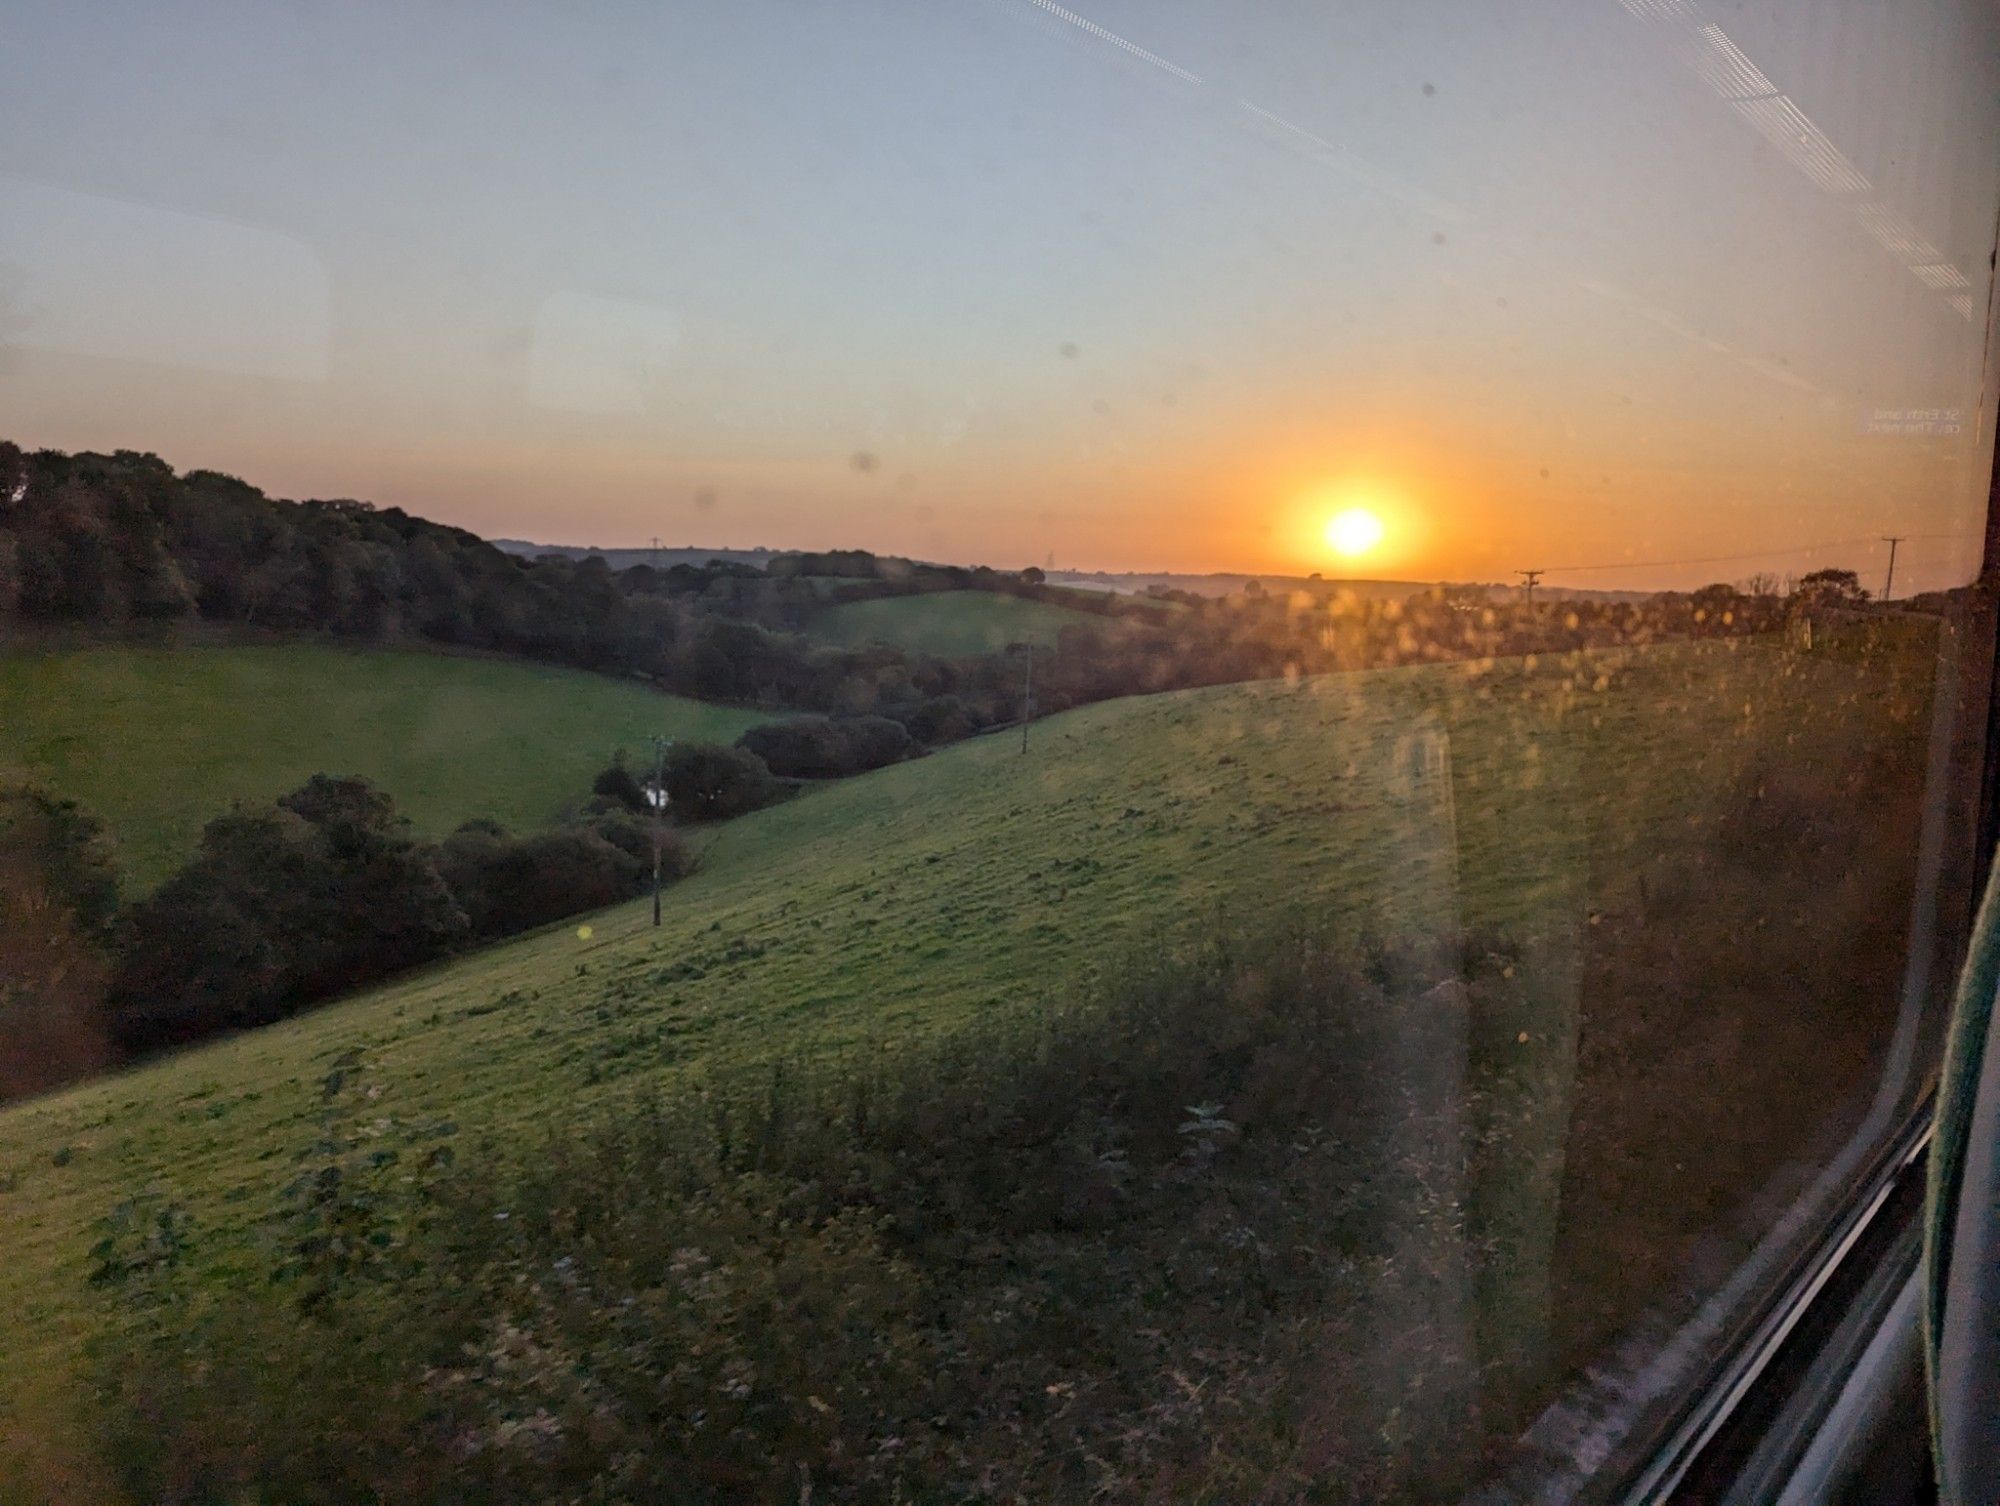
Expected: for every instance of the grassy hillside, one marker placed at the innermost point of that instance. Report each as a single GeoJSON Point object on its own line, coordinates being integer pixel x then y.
{"type": "Point", "coordinates": [883, 910]}
{"type": "Point", "coordinates": [158, 740]}
{"type": "Point", "coordinates": [947, 622]}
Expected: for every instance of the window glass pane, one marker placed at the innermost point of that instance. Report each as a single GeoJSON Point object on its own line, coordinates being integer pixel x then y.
{"type": "Point", "coordinates": [1212, 754]}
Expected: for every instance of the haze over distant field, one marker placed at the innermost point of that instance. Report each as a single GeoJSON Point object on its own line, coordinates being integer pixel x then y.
{"type": "Point", "coordinates": [1569, 283]}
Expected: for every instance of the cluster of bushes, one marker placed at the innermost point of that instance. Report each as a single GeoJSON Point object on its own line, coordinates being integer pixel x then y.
{"type": "Point", "coordinates": [818, 747]}
{"type": "Point", "coordinates": [282, 905]}
{"type": "Point", "coordinates": [710, 782]}
{"type": "Point", "coordinates": [1159, 1244]}
{"type": "Point", "coordinates": [701, 782]}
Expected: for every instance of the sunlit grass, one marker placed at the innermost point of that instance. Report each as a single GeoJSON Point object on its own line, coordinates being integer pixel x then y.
{"type": "Point", "coordinates": [158, 740]}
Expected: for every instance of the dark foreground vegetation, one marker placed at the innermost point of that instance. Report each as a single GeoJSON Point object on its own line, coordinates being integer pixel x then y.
{"type": "Point", "coordinates": [1127, 1251]}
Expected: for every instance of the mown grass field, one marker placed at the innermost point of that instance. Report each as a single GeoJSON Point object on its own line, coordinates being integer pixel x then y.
{"type": "Point", "coordinates": [947, 622]}
{"type": "Point", "coordinates": [156, 741]}
{"type": "Point", "coordinates": [890, 909]}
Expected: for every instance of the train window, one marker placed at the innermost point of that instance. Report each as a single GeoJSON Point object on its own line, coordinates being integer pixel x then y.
{"type": "Point", "coordinates": [968, 752]}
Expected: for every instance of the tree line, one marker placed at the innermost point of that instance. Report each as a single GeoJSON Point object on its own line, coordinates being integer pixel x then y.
{"type": "Point", "coordinates": [122, 541]}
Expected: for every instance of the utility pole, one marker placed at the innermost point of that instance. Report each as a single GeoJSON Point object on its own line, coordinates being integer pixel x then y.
{"type": "Point", "coordinates": [656, 797]}
{"type": "Point", "coordinates": [1027, 692]}
{"type": "Point", "coordinates": [1529, 578]}
{"type": "Point", "coordinates": [1892, 540]}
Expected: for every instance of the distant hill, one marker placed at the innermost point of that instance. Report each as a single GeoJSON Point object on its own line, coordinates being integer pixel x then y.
{"type": "Point", "coordinates": [1225, 583]}
{"type": "Point", "coordinates": [1119, 582]}
{"type": "Point", "coordinates": [948, 622]}
{"type": "Point", "coordinates": [624, 559]}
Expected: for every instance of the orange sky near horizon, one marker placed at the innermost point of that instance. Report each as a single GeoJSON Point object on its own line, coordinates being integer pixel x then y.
{"type": "Point", "coordinates": [1155, 293]}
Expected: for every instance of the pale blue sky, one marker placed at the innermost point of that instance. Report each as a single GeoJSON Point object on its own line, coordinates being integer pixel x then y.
{"type": "Point", "coordinates": [1123, 283]}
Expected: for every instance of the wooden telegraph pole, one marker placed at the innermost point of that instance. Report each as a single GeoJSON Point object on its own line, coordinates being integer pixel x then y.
{"type": "Point", "coordinates": [1027, 693]}
{"type": "Point", "coordinates": [656, 797]}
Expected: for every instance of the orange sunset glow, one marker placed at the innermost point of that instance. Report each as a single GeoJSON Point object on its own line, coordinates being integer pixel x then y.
{"type": "Point", "coordinates": [1343, 298]}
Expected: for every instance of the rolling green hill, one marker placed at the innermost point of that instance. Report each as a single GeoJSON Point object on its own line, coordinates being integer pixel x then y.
{"type": "Point", "coordinates": [157, 740]}
{"type": "Point", "coordinates": [885, 910]}
{"type": "Point", "coordinates": [948, 622]}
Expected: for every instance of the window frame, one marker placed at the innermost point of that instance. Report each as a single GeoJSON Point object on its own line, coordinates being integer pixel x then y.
{"type": "Point", "coordinates": [1761, 1408]}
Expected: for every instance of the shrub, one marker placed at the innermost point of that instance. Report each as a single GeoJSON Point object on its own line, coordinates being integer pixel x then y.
{"type": "Point", "coordinates": [711, 782]}
{"type": "Point", "coordinates": [633, 835]}
{"type": "Point", "coordinates": [875, 741]}
{"type": "Point", "coordinates": [507, 884]}
{"type": "Point", "coordinates": [617, 785]}
{"type": "Point", "coordinates": [375, 903]}
{"type": "Point", "coordinates": [281, 906]}
{"type": "Point", "coordinates": [67, 850]}
{"type": "Point", "coordinates": [58, 891]}
{"type": "Point", "coordinates": [818, 747]}
{"type": "Point", "coordinates": [800, 747]}
{"type": "Point", "coordinates": [941, 719]}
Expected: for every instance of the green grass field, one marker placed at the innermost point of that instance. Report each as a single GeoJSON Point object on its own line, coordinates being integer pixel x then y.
{"type": "Point", "coordinates": [948, 622]}
{"type": "Point", "coordinates": [887, 910]}
{"type": "Point", "coordinates": [157, 740]}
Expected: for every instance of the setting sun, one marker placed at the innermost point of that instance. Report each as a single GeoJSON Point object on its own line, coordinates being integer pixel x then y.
{"type": "Point", "coordinates": [1354, 532]}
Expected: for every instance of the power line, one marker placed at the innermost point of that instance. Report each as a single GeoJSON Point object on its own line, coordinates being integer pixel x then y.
{"type": "Point", "coordinates": [1529, 579]}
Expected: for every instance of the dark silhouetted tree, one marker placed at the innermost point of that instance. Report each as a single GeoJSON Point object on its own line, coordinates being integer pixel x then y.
{"type": "Point", "coordinates": [280, 906]}
{"type": "Point", "coordinates": [507, 884]}
{"type": "Point", "coordinates": [819, 747]}
{"type": "Point", "coordinates": [1830, 588]}
{"type": "Point", "coordinates": [617, 785]}
{"type": "Point", "coordinates": [710, 782]}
